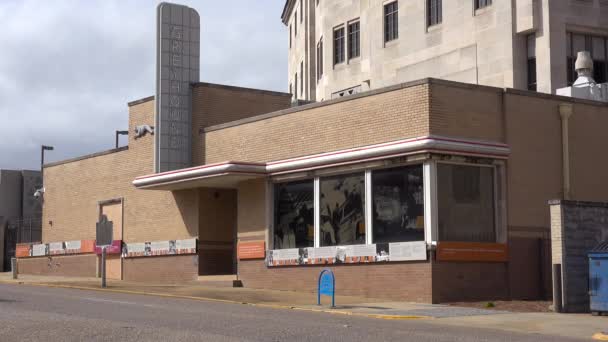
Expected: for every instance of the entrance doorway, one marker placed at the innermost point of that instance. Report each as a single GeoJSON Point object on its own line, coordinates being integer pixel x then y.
{"type": "Point", "coordinates": [217, 231]}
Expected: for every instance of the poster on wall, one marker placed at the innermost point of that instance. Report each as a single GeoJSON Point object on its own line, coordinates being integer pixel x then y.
{"type": "Point", "coordinates": [56, 248]}
{"type": "Point", "coordinates": [402, 251]}
{"type": "Point", "coordinates": [39, 250]}
{"type": "Point", "coordinates": [158, 248]}
{"type": "Point", "coordinates": [406, 251]}
{"type": "Point", "coordinates": [114, 248]}
{"type": "Point", "coordinates": [251, 250]}
{"type": "Point", "coordinates": [23, 250]}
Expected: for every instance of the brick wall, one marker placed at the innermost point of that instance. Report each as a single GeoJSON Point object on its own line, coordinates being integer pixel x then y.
{"type": "Point", "coordinates": [214, 104]}
{"type": "Point", "coordinates": [358, 121]}
{"type": "Point", "coordinates": [67, 265]}
{"type": "Point", "coordinates": [469, 281]}
{"type": "Point", "coordinates": [466, 111]}
{"type": "Point", "coordinates": [73, 190]}
{"type": "Point", "coordinates": [580, 227]}
{"type": "Point", "coordinates": [161, 269]}
{"type": "Point", "coordinates": [396, 281]}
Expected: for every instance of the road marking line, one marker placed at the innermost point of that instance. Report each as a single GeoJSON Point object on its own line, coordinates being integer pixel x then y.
{"type": "Point", "coordinates": [227, 301]}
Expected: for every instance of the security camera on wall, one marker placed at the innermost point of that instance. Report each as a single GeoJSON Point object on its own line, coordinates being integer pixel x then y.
{"type": "Point", "coordinates": [38, 194]}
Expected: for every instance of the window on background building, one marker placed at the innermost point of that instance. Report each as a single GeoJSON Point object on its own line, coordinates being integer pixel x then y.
{"type": "Point", "coordinates": [290, 89]}
{"type": "Point", "coordinates": [466, 203]}
{"type": "Point", "coordinates": [320, 59]}
{"type": "Point", "coordinates": [354, 40]}
{"type": "Point", "coordinates": [482, 3]}
{"type": "Point", "coordinates": [597, 46]}
{"type": "Point", "coordinates": [531, 61]}
{"type": "Point", "coordinates": [391, 21]}
{"type": "Point", "coordinates": [301, 10]}
{"type": "Point", "coordinates": [302, 78]}
{"type": "Point", "coordinates": [341, 205]}
{"type": "Point", "coordinates": [434, 9]}
{"type": "Point", "coordinates": [338, 45]}
{"type": "Point", "coordinates": [294, 215]}
{"type": "Point", "coordinates": [295, 24]}
{"type": "Point", "coordinates": [290, 36]}
{"type": "Point", "coordinates": [398, 204]}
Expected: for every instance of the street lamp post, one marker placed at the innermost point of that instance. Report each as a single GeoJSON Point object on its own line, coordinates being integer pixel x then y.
{"type": "Point", "coordinates": [120, 133]}
{"type": "Point", "coordinates": [42, 149]}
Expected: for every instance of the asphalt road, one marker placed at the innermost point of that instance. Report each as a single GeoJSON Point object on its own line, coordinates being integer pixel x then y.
{"type": "Point", "coordinates": [32, 313]}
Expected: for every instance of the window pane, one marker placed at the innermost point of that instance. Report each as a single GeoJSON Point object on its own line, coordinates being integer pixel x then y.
{"type": "Point", "coordinates": [294, 215]}
{"type": "Point", "coordinates": [599, 48]}
{"type": "Point", "coordinates": [339, 45]}
{"type": "Point", "coordinates": [391, 26]}
{"type": "Point", "coordinates": [599, 71]}
{"type": "Point", "coordinates": [353, 40]}
{"type": "Point", "coordinates": [531, 45]}
{"type": "Point", "coordinates": [532, 74]}
{"type": "Point", "coordinates": [434, 12]}
{"type": "Point", "coordinates": [466, 203]}
{"type": "Point", "coordinates": [342, 210]}
{"type": "Point", "coordinates": [578, 44]}
{"type": "Point", "coordinates": [398, 210]}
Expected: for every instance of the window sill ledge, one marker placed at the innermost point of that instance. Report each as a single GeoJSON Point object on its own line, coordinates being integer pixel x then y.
{"type": "Point", "coordinates": [433, 28]}
{"type": "Point", "coordinates": [483, 10]}
{"type": "Point", "coordinates": [391, 42]}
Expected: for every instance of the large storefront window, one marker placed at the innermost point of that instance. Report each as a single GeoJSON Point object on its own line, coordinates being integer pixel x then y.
{"type": "Point", "coordinates": [398, 210]}
{"type": "Point", "coordinates": [294, 215]}
{"type": "Point", "coordinates": [465, 203]}
{"type": "Point", "coordinates": [342, 220]}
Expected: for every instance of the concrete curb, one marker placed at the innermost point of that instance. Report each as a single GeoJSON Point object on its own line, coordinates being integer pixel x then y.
{"type": "Point", "coordinates": [227, 301]}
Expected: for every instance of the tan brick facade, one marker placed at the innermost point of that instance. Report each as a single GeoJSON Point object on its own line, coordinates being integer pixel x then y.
{"type": "Point", "coordinates": [399, 281]}
{"type": "Point", "coordinates": [162, 269]}
{"type": "Point", "coordinates": [528, 123]}
{"type": "Point", "coordinates": [388, 116]}
{"type": "Point", "coordinates": [68, 265]}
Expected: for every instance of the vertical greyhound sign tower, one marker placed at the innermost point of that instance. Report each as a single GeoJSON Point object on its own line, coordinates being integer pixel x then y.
{"type": "Point", "coordinates": [177, 66]}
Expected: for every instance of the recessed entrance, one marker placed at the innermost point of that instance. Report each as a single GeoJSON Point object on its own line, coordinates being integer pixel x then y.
{"type": "Point", "coordinates": [217, 231]}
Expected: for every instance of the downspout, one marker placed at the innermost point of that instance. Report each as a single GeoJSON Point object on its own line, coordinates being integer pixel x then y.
{"type": "Point", "coordinates": [565, 111]}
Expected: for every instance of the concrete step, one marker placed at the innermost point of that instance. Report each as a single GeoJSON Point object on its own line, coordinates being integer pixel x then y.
{"type": "Point", "coordinates": [228, 280]}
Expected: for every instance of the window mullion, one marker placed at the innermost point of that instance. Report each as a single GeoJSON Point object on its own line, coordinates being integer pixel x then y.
{"type": "Point", "coordinates": [368, 207]}
{"type": "Point", "coordinates": [430, 201]}
{"type": "Point", "coordinates": [317, 212]}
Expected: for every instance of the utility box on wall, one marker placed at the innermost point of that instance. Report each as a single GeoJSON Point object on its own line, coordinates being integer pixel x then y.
{"type": "Point", "coordinates": [598, 279]}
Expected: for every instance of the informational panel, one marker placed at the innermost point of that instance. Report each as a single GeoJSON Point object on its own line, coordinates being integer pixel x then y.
{"type": "Point", "coordinates": [251, 250]}
{"type": "Point", "coordinates": [156, 248]}
{"type": "Point", "coordinates": [472, 251]}
{"type": "Point", "coordinates": [352, 254]}
{"type": "Point", "coordinates": [177, 64]}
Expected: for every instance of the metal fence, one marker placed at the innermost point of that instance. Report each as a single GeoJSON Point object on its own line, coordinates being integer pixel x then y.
{"type": "Point", "coordinates": [25, 230]}
{"type": "Point", "coordinates": [19, 231]}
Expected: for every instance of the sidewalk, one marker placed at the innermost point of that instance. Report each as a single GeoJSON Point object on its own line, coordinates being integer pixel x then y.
{"type": "Point", "coordinates": [582, 326]}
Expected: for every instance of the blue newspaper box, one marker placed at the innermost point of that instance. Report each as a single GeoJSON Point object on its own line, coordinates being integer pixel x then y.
{"type": "Point", "coordinates": [598, 279]}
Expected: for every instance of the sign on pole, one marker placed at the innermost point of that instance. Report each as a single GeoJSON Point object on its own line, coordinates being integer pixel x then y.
{"type": "Point", "coordinates": [327, 286]}
{"type": "Point", "coordinates": [103, 239]}
{"type": "Point", "coordinates": [104, 231]}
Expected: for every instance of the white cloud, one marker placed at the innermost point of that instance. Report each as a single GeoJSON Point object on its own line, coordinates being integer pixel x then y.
{"type": "Point", "coordinates": [68, 68]}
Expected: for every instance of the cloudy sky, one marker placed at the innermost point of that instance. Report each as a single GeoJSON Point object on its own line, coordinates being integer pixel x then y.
{"type": "Point", "coordinates": [68, 68]}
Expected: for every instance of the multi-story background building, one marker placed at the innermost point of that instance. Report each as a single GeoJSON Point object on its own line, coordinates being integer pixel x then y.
{"type": "Point", "coordinates": [20, 211]}
{"type": "Point", "coordinates": [338, 48]}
